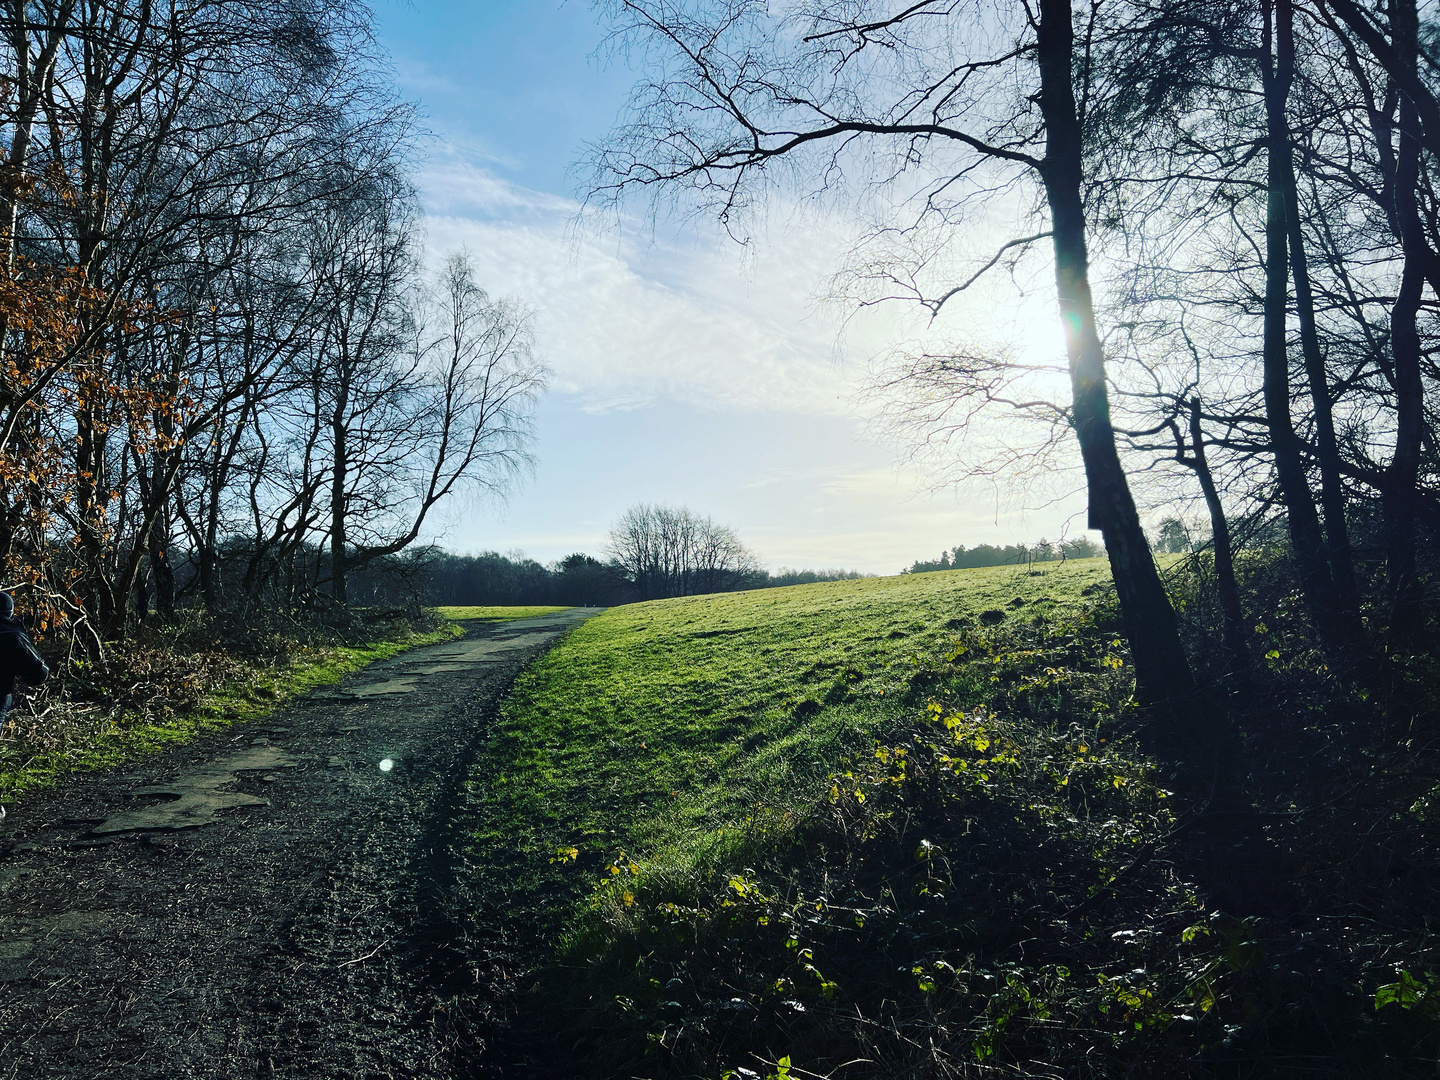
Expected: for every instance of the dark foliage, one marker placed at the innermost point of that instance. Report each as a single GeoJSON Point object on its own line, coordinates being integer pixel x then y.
{"type": "Point", "coordinates": [433, 577]}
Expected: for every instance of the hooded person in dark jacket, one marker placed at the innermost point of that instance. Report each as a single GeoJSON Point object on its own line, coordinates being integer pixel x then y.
{"type": "Point", "coordinates": [19, 662]}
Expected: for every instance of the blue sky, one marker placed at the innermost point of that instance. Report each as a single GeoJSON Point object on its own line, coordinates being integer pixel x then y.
{"type": "Point", "coordinates": [686, 370]}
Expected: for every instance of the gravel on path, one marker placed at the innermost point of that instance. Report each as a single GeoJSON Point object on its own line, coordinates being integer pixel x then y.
{"type": "Point", "coordinates": [270, 901]}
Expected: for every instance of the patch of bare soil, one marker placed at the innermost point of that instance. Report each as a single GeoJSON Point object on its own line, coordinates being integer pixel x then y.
{"type": "Point", "coordinates": [274, 901]}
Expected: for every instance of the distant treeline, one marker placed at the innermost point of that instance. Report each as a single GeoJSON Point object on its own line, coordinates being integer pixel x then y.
{"type": "Point", "coordinates": [963, 558]}
{"type": "Point", "coordinates": [436, 577]}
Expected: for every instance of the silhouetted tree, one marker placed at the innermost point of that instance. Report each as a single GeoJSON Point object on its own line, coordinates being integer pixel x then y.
{"type": "Point", "coordinates": [671, 551]}
{"type": "Point", "coordinates": [751, 87]}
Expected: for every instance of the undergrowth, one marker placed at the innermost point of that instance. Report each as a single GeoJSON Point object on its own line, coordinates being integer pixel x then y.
{"type": "Point", "coordinates": [165, 685]}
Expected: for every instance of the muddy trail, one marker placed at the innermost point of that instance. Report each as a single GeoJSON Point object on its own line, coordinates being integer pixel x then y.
{"type": "Point", "coordinates": [271, 901]}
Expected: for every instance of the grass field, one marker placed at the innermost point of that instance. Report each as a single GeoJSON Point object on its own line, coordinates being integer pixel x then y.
{"type": "Point", "coordinates": [495, 614]}
{"type": "Point", "coordinates": [906, 827]}
{"type": "Point", "coordinates": [656, 724]}
{"type": "Point", "coordinates": [645, 768]}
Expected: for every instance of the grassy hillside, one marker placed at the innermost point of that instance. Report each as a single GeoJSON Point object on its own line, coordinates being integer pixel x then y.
{"type": "Point", "coordinates": [665, 747]}
{"type": "Point", "coordinates": [655, 723]}
{"type": "Point", "coordinates": [902, 827]}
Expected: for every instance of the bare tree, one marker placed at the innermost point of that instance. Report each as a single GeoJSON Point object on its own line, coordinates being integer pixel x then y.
{"type": "Point", "coordinates": [1248, 163]}
{"type": "Point", "coordinates": [983, 97]}
{"type": "Point", "coordinates": [671, 551]}
{"type": "Point", "coordinates": [422, 396]}
{"type": "Point", "coordinates": [151, 153]}
{"type": "Point", "coordinates": [218, 348]}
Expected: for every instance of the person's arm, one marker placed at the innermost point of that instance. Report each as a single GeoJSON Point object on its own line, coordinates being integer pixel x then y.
{"type": "Point", "coordinates": [30, 665]}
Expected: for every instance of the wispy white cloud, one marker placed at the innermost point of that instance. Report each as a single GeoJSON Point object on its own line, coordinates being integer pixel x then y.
{"type": "Point", "coordinates": [640, 330]}
{"type": "Point", "coordinates": [689, 369]}
{"type": "Point", "coordinates": [624, 321]}
{"type": "Point", "coordinates": [459, 182]}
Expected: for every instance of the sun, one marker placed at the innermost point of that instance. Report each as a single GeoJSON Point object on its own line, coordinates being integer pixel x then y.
{"type": "Point", "coordinates": [1036, 332]}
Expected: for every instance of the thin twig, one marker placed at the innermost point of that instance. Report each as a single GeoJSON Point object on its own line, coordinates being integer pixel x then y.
{"type": "Point", "coordinates": [367, 956]}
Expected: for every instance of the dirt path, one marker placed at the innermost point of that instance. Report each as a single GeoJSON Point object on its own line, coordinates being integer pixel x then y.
{"type": "Point", "coordinates": [268, 902]}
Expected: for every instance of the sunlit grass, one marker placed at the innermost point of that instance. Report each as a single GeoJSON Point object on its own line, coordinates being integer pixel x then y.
{"type": "Point", "coordinates": [654, 726]}
{"type": "Point", "coordinates": [496, 614]}
{"type": "Point", "coordinates": [735, 828]}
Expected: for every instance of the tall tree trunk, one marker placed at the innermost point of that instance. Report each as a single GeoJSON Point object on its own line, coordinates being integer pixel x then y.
{"type": "Point", "coordinates": [161, 571]}
{"type": "Point", "coordinates": [1162, 671]}
{"type": "Point", "coordinates": [1309, 549]}
{"type": "Point", "coordinates": [163, 474]}
{"type": "Point", "coordinates": [1233, 613]}
{"type": "Point", "coordinates": [142, 598]}
{"type": "Point", "coordinates": [97, 589]}
{"type": "Point", "coordinates": [31, 83]}
{"type": "Point", "coordinates": [1398, 60]}
{"type": "Point", "coordinates": [155, 484]}
{"type": "Point", "coordinates": [203, 545]}
{"type": "Point", "coordinates": [209, 569]}
{"type": "Point", "coordinates": [1402, 474]}
{"type": "Point", "coordinates": [338, 477]}
{"type": "Point", "coordinates": [1327, 449]}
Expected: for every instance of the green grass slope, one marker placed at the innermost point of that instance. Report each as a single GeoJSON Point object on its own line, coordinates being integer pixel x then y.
{"type": "Point", "coordinates": [656, 724]}
{"type": "Point", "coordinates": [902, 828]}
{"type": "Point", "coordinates": [676, 766]}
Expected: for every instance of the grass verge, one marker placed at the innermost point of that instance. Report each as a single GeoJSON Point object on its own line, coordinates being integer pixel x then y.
{"type": "Point", "coordinates": [165, 687]}
{"type": "Point", "coordinates": [496, 614]}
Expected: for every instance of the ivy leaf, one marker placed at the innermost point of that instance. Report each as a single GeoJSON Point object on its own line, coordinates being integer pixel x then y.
{"type": "Point", "coordinates": [1406, 993]}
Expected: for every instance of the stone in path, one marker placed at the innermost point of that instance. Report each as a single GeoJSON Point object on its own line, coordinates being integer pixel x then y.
{"type": "Point", "coordinates": [195, 796]}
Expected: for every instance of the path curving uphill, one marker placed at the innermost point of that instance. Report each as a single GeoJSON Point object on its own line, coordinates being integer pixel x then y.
{"type": "Point", "coordinates": [271, 901]}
